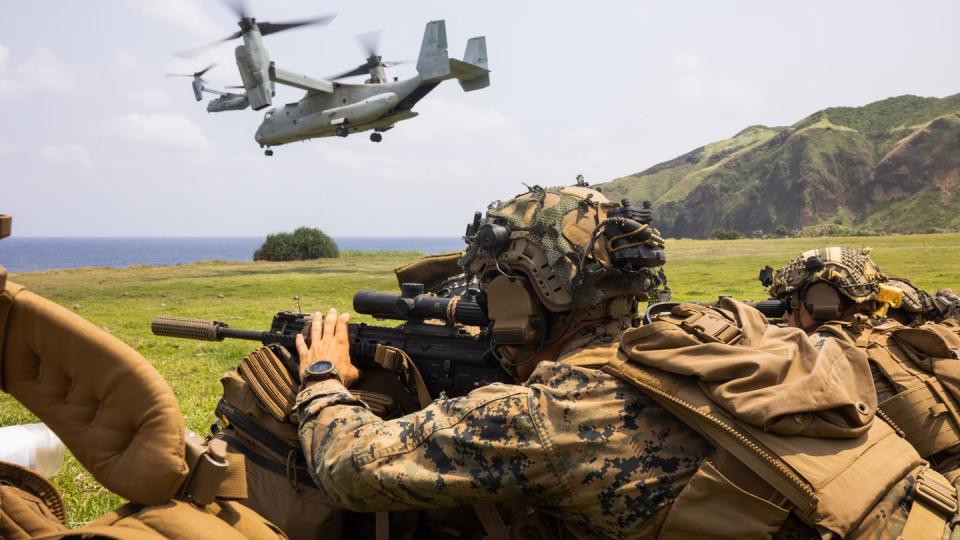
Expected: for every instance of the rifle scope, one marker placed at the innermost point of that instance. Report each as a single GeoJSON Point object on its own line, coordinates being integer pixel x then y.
{"type": "Point", "coordinates": [414, 305]}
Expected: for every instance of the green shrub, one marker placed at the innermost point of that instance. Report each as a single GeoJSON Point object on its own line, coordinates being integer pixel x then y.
{"type": "Point", "coordinates": [302, 244]}
{"type": "Point", "coordinates": [725, 234]}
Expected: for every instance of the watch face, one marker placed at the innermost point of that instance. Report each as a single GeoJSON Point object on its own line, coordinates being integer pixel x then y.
{"type": "Point", "coordinates": [321, 367]}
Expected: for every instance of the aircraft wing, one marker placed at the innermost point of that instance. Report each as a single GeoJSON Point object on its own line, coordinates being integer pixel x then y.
{"type": "Point", "coordinates": [297, 80]}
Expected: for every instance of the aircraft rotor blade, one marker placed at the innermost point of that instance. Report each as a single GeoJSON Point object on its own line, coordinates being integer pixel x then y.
{"type": "Point", "coordinates": [179, 74]}
{"type": "Point", "coordinates": [235, 86]}
{"type": "Point", "coordinates": [267, 28]}
{"type": "Point", "coordinates": [396, 63]}
{"type": "Point", "coordinates": [370, 42]}
{"type": "Point", "coordinates": [205, 70]}
{"type": "Point", "coordinates": [238, 7]}
{"type": "Point", "coordinates": [190, 53]}
{"type": "Point", "coordinates": [362, 69]}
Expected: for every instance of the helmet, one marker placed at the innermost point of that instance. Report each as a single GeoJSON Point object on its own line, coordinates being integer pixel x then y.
{"type": "Point", "coordinates": [850, 272]}
{"type": "Point", "coordinates": [916, 301]}
{"type": "Point", "coordinates": [920, 306]}
{"type": "Point", "coordinates": [571, 247]}
{"type": "Point", "coordinates": [947, 303]}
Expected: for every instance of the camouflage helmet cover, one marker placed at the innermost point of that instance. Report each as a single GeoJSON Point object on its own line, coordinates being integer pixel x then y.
{"type": "Point", "coordinates": [851, 271]}
{"type": "Point", "coordinates": [550, 230]}
{"type": "Point", "coordinates": [916, 301]}
{"type": "Point", "coordinates": [923, 307]}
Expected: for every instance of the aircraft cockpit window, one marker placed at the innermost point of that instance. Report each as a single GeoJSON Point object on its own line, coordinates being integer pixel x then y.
{"type": "Point", "coordinates": [269, 114]}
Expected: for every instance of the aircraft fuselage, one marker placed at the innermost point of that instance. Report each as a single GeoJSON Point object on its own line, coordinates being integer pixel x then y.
{"type": "Point", "coordinates": [355, 107]}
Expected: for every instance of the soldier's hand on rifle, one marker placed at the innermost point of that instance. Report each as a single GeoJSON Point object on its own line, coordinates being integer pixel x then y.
{"type": "Point", "coordinates": [329, 341]}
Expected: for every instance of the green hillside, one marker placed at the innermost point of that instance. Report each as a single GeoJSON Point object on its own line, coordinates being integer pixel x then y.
{"type": "Point", "coordinates": [890, 166]}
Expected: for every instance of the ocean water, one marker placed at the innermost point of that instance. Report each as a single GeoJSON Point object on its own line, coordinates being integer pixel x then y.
{"type": "Point", "coordinates": [19, 254]}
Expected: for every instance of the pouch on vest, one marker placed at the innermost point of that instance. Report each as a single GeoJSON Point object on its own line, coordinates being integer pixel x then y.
{"type": "Point", "coordinates": [255, 423]}
{"type": "Point", "coordinates": [279, 486]}
{"type": "Point", "coordinates": [793, 423]}
{"type": "Point", "coordinates": [921, 365]}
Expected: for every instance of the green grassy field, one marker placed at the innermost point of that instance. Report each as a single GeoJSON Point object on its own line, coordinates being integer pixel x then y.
{"type": "Point", "coordinates": [246, 295]}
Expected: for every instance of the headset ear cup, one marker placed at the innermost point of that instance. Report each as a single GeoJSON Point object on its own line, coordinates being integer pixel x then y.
{"type": "Point", "coordinates": [516, 315]}
{"type": "Point", "coordinates": [822, 302]}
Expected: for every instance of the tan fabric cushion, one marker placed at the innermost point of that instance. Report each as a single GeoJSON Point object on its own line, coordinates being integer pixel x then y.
{"type": "Point", "coordinates": [430, 270]}
{"type": "Point", "coordinates": [103, 399]}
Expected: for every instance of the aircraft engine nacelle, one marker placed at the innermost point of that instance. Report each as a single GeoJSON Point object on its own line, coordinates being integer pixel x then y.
{"type": "Point", "coordinates": [254, 70]}
{"type": "Point", "coordinates": [363, 111]}
{"type": "Point", "coordinates": [198, 88]}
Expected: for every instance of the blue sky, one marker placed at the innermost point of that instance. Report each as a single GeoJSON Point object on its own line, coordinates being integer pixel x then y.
{"type": "Point", "coordinates": [95, 141]}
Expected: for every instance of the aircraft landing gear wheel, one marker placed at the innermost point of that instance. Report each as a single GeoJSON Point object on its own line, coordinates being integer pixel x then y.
{"type": "Point", "coordinates": [376, 137]}
{"type": "Point", "coordinates": [268, 152]}
{"type": "Point", "coordinates": [342, 131]}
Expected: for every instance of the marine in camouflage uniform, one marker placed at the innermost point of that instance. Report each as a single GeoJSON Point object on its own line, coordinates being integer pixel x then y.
{"type": "Point", "coordinates": [873, 310]}
{"type": "Point", "coordinates": [576, 443]}
{"type": "Point", "coordinates": [589, 447]}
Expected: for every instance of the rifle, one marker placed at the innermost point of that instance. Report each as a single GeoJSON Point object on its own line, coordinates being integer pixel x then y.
{"type": "Point", "coordinates": [772, 308]}
{"type": "Point", "coordinates": [451, 360]}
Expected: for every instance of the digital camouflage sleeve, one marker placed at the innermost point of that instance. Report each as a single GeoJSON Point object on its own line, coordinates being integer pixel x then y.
{"type": "Point", "coordinates": [573, 442]}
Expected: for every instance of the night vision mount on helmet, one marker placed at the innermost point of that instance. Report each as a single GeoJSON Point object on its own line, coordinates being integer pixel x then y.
{"type": "Point", "coordinates": [553, 252]}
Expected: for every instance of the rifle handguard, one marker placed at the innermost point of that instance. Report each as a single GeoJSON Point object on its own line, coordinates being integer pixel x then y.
{"type": "Point", "coordinates": [183, 327]}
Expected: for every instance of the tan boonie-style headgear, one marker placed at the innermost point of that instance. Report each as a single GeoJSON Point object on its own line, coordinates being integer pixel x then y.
{"type": "Point", "coordinates": [574, 248]}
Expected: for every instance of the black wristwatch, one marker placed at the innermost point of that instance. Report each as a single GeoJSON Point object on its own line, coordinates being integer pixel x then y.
{"type": "Point", "coordinates": [320, 370]}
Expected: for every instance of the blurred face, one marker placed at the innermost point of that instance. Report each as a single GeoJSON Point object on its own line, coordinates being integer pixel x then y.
{"type": "Point", "coordinates": [800, 318]}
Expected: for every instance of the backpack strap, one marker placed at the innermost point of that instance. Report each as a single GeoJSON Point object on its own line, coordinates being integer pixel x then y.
{"type": "Point", "coordinates": [934, 506]}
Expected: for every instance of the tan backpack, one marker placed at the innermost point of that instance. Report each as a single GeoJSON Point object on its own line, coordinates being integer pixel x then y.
{"type": "Point", "coordinates": [793, 425]}
{"type": "Point", "coordinates": [121, 421]}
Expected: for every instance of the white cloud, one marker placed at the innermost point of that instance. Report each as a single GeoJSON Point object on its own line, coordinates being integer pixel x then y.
{"type": "Point", "coordinates": [160, 129]}
{"type": "Point", "coordinates": [125, 58]}
{"type": "Point", "coordinates": [68, 155]}
{"type": "Point", "coordinates": [42, 72]}
{"type": "Point", "coordinates": [151, 98]}
{"type": "Point", "coordinates": [185, 14]}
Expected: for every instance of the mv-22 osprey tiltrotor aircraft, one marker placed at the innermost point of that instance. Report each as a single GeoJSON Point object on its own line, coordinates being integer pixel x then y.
{"type": "Point", "coordinates": [332, 108]}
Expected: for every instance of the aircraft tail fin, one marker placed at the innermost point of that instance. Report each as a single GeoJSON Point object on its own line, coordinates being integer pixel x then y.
{"type": "Point", "coordinates": [472, 72]}
{"type": "Point", "coordinates": [433, 62]}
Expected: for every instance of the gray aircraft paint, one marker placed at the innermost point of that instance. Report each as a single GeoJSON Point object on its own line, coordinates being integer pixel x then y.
{"type": "Point", "coordinates": [333, 108]}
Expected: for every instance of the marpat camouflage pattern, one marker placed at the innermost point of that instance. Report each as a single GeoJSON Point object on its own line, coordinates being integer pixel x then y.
{"type": "Point", "coordinates": [573, 442]}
